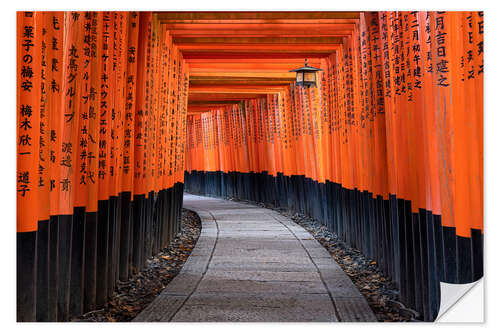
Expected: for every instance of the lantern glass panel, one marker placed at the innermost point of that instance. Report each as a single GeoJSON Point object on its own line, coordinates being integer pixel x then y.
{"type": "Point", "coordinates": [300, 76]}
{"type": "Point", "coordinates": [310, 77]}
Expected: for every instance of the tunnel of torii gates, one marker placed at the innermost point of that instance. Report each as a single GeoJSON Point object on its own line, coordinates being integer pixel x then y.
{"type": "Point", "coordinates": [119, 112]}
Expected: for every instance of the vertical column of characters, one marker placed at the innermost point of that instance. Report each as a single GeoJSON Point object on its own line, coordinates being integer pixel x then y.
{"type": "Point", "coordinates": [253, 149]}
{"type": "Point", "coordinates": [239, 139]}
{"type": "Point", "coordinates": [276, 134]}
{"type": "Point", "coordinates": [262, 105]}
{"type": "Point", "coordinates": [54, 78]}
{"type": "Point", "coordinates": [353, 115]}
{"type": "Point", "coordinates": [242, 139]}
{"type": "Point", "coordinates": [42, 26]}
{"type": "Point", "coordinates": [360, 170]}
{"type": "Point", "coordinates": [189, 146]}
{"type": "Point", "coordinates": [208, 137]}
{"type": "Point", "coordinates": [239, 109]}
{"type": "Point", "coordinates": [367, 106]}
{"type": "Point", "coordinates": [268, 144]}
{"type": "Point", "coordinates": [172, 107]}
{"type": "Point", "coordinates": [347, 119]}
{"type": "Point", "coordinates": [415, 97]}
{"type": "Point", "coordinates": [182, 123]}
{"type": "Point", "coordinates": [316, 134]}
{"type": "Point", "coordinates": [237, 145]}
{"type": "Point", "coordinates": [372, 109]}
{"type": "Point", "coordinates": [163, 151]}
{"type": "Point", "coordinates": [402, 107]}
{"type": "Point", "coordinates": [141, 99]}
{"type": "Point", "coordinates": [227, 139]}
{"type": "Point", "coordinates": [430, 117]}
{"type": "Point", "coordinates": [189, 143]}
{"type": "Point", "coordinates": [93, 98]}
{"type": "Point", "coordinates": [255, 114]}
{"type": "Point", "coordinates": [146, 135]}
{"type": "Point", "coordinates": [81, 188]}
{"type": "Point", "coordinates": [299, 130]}
{"type": "Point", "coordinates": [324, 116]}
{"type": "Point", "coordinates": [380, 144]}
{"type": "Point", "coordinates": [401, 147]}
{"type": "Point", "coordinates": [313, 136]}
{"type": "Point", "coordinates": [232, 138]}
{"type": "Point", "coordinates": [306, 137]}
{"type": "Point", "coordinates": [386, 31]}
{"type": "Point", "coordinates": [130, 102]}
{"type": "Point", "coordinates": [458, 74]}
{"type": "Point", "coordinates": [269, 158]}
{"type": "Point", "coordinates": [155, 82]}
{"type": "Point", "coordinates": [292, 116]}
{"type": "Point", "coordinates": [408, 116]}
{"type": "Point", "coordinates": [69, 178]}
{"type": "Point", "coordinates": [440, 48]}
{"type": "Point", "coordinates": [194, 155]}
{"type": "Point", "coordinates": [335, 122]}
{"type": "Point", "coordinates": [278, 109]}
{"type": "Point", "coordinates": [286, 130]}
{"type": "Point", "coordinates": [106, 88]}
{"type": "Point", "coordinates": [218, 140]}
{"type": "Point", "coordinates": [206, 147]}
{"type": "Point", "coordinates": [184, 106]}
{"type": "Point", "coordinates": [28, 121]}
{"type": "Point", "coordinates": [226, 124]}
{"type": "Point", "coordinates": [217, 128]}
{"type": "Point", "coordinates": [72, 65]}
{"type": "Point", "coordinates": [122, 97]}
{"type": "Point", "coordinates": [475, 84]}
{"type": "Point", "coordinates": [180, 115]}
{"type": "Point", "coordinates": [342, 119]}
{"type": "Point", "coordinates": [215, 140]}
{"type": "Point", "coordinates": [330, 112]}
{"type": "Point", "coordinates": [148, 131]}
{"type": "Point", "coordinates": [27, 143]}
{"type": "Point", "coordinates": [113, 123]}
{"type": "Point", "coordinates": [199, 143]}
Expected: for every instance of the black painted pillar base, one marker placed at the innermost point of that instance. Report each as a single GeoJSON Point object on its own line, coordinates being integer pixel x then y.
{"type": "Point", "coordinates": [26, 277]}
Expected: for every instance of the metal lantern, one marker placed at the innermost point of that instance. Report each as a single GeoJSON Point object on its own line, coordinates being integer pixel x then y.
{"type": "Point", "coordinates": [306, 76]}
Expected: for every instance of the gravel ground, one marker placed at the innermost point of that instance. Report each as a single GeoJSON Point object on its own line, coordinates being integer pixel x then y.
{"type": "Point", "coordinates": [133, 296]}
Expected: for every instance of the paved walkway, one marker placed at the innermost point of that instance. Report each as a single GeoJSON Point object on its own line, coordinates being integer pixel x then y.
{"type": "Point", "coordinates": [253, 264]}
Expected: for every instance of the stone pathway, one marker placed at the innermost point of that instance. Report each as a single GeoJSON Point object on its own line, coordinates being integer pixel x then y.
{"type": "Point", "coordinates": [252, 264]}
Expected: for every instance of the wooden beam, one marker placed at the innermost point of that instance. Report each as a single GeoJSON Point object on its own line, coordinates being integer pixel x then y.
{"type": "Point", "coordinates": [197, 78]}
{"type": "Point", "coordinates": [257, 40]}
{"type": "Point", "coordinates": [263, 15]}
{"type": "Point", "coordinates": [255, 74]}
{"type": "Point", "coordinates": [261, 21]}
{"type": "Point", "coordinates": [254, 55]}
{"type": "Point", "coordinates": [284, 67]}
{"type": "Point", "coordinates": [252, 33]}
{"type": "Point", "coordinates": [239, 83]}
{"type": "Point", "coordinates": [234, 90]}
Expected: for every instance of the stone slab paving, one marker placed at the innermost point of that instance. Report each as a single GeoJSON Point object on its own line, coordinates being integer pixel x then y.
{"type": "Point", "coordinates": [252, 264]}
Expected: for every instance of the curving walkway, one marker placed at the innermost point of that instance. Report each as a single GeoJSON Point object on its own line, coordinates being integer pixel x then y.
{"type": "Point", "coordinates": [253, 264]}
